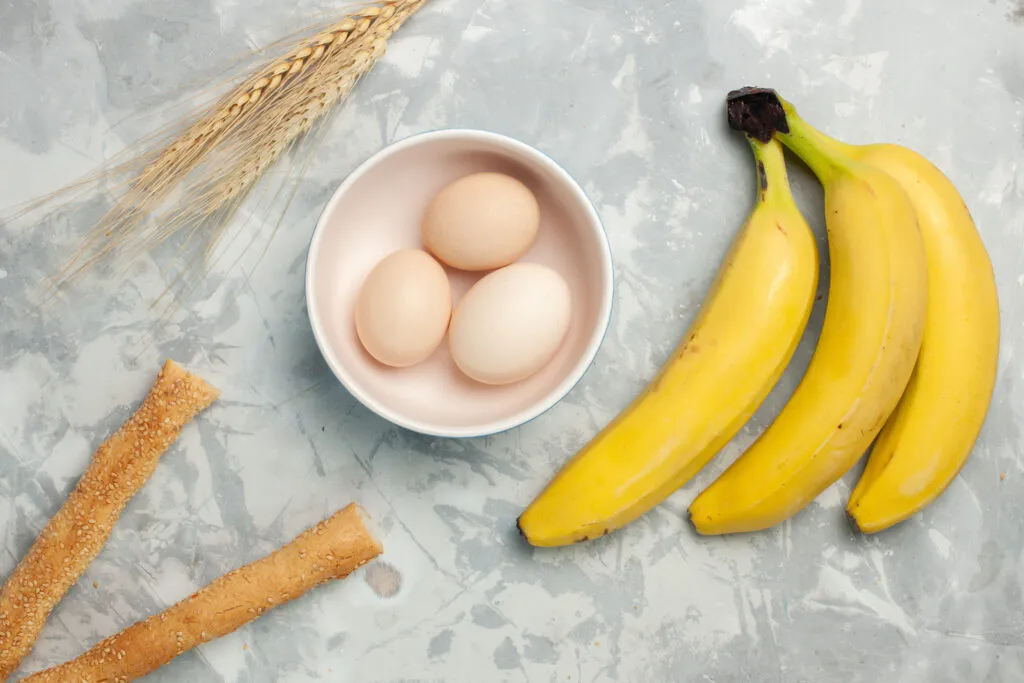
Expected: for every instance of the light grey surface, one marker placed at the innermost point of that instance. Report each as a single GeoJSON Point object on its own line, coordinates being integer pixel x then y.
{"type": "Point", "coordinates": [627, 94]}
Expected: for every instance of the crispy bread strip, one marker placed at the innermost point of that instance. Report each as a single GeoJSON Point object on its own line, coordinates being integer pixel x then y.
{"type": "Point", "coordinates": [75, 535]}
{"type": "Point", "coordinates": [331, 550]}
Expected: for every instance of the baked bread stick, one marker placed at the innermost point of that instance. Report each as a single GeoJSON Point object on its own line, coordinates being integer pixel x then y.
{"type": "Point", "coordinates": [74, 536]}
{"type": "Point", "coordinates": [332, 549]}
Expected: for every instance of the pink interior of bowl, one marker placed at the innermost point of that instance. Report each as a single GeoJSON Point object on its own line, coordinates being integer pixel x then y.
{"type": "Point", "coordinates": [377, 211]}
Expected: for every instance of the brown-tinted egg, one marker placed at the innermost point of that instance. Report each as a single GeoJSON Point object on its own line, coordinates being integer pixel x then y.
{"type": "Point", "coordinates": [481, 221]}
{"type": "Point", "coordinates": [403, 309]}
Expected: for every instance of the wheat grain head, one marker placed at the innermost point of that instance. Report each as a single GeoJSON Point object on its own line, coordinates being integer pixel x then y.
{"type": "Point", "coordinates": [196, 182]}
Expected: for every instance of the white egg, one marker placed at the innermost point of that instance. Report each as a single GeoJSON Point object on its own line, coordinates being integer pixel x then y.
{"type": "Point", "coordinates": [403, 309]}
{"type": "Point", "coordinates": [510, 324]}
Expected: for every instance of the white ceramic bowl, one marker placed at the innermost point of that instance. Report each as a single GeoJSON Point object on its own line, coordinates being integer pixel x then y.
{"type": "Point", "coordinates": [377, 211]}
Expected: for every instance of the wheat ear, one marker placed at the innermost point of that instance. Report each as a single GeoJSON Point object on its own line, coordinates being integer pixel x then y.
{"type": "Point", "coordinates": [204, 172]}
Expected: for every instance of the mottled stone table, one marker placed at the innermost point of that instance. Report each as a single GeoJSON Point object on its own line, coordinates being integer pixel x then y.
{"type": "Point", "coordinates": [627, 94]}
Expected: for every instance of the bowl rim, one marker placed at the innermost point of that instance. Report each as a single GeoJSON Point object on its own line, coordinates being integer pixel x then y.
{"type": "Point", "coordinates": [597, 334]}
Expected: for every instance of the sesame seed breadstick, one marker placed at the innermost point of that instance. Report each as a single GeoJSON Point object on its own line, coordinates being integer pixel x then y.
{"type": "Point", "coordinates": [77, 532]}
{"type": "Point", "coordinates": [332, 549]}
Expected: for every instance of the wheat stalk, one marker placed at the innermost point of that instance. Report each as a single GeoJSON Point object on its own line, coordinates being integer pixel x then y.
{"type": "Point", "coordinates": [203, 173]}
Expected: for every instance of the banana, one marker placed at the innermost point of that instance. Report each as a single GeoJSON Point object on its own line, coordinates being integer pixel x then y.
{"type": "Point", "coordinates": [736, 349]}
{"type": "Point", "coordinates": [874, 322]}
{"type": "Point", "coordinates": [927, 440]}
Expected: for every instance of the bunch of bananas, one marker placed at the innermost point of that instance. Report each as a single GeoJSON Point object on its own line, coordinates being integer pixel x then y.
{"type": "Point", "coordinates": [907, 353]}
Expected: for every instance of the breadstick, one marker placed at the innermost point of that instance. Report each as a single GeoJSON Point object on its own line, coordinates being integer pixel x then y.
{"type": "Point", "coordinates": [332, 549]}
{"type": "Point", "coordinates": [75, 535]}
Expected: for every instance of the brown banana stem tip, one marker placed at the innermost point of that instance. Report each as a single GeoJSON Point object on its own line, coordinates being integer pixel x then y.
{"type": "Point", "coordinates": [756, 112]}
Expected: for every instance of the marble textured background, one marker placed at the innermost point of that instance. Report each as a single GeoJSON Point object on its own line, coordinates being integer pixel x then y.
{"type": "Point", "coordinates": [627, 94]}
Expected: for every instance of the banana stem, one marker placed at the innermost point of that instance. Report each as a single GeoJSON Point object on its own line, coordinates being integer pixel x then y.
{"type": "Point", "coordinates": [772, 178]}
{"type": "Point", "coordinates": [763, 115]}
{"type": "Point", "coordinates": [824, 155]}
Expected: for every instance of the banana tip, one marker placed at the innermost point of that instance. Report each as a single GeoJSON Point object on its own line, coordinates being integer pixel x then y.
{"type": "Point", "coordinates": [854, 524]}
{"type": "Point", "coordinates": [689, 520]}
{"type": "Point", "coordinates": [519, 528]}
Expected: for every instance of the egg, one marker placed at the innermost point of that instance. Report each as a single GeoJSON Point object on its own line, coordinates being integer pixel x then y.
{"type": "Point", "coordinates": [510, 324]}
{"type": "Point", "coordinates": [403, 308]}
{"type": "Point", "coordinates": [481, 221]}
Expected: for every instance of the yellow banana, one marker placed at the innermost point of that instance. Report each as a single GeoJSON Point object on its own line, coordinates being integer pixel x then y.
{"type": "Point", "coordinates": [871, 336]}
{"type": "Point", "coordinates": [728, 361]}
{"type": "Point", "coordinates": [927, 440]}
